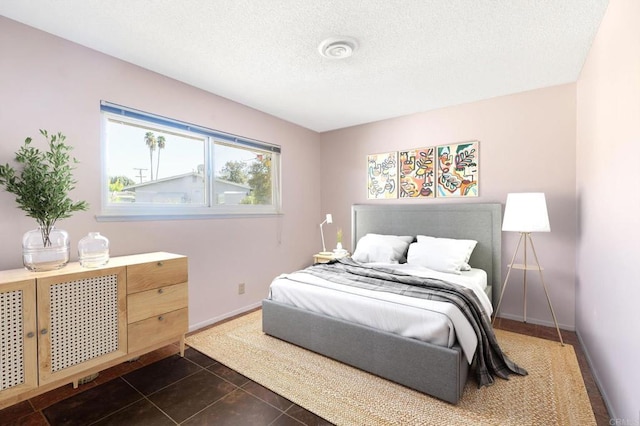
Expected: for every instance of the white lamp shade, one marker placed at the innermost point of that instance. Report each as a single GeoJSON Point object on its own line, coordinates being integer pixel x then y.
{"type": "Point", "coordinates": [329, 218]}
{"type": "Point", "coordinates": [526, 212]}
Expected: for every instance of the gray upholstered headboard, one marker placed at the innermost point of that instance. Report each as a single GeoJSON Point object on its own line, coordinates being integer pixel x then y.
{"type": "Point", "coordinates": [477, 221]}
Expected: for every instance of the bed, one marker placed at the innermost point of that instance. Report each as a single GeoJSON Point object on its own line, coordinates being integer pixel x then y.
{"type": "Point", "coordinates": [437, 369]}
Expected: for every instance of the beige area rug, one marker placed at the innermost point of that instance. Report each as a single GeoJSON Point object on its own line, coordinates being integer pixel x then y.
{"type": "Point", "coordinates": [552, 393]}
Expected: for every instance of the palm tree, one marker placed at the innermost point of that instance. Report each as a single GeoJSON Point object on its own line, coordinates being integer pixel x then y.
{"type": "Point", "coordinates": [150, 141]}
{"type": "Point", "coordinates": [161, 144]}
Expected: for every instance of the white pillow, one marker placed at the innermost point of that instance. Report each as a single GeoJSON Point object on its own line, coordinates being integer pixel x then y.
{"type": "Point", "coordinates": [382, 248]}
{"type": "Point", "coordinates": [441, 254]}
{"type": "Point", "coordinates": [465, 246]}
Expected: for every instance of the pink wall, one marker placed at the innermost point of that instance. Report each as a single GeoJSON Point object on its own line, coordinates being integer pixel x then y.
{"type": "Point", "coordinates": [608, 142]}
{"type": "Point", "coordinates": [527, 143]}
{"type": "Point", "coordinates": [50, 83]}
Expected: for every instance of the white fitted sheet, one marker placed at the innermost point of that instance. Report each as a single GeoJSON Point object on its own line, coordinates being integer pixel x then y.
{"type": "Point", "coordinates": [439, 323]}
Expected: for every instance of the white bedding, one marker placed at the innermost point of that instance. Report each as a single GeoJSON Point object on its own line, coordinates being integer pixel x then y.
{"type": "Point", "coordinates": [427, 320]}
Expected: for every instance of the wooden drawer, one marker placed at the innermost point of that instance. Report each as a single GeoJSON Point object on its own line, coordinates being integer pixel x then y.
{"type": "Point", "coordinates": [147, 276]}
{"type": "Point", "coordinates": [150, 303]}
{"type": "Point", "coordinates": [157, 329]}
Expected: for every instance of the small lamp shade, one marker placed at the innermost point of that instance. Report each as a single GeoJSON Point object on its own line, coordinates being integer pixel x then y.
{"type": "Point", "coordinates": [526, 212]}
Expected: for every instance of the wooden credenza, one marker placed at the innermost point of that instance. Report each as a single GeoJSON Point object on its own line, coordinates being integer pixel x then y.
{"type": "Point", "coordinates": [57, 327]}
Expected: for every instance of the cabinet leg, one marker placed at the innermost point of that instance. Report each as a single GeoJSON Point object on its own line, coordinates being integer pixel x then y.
{"type": "Point", "coordinates": [182, 346]}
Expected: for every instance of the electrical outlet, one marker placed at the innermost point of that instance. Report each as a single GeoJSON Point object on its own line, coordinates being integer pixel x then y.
{"type": "Point", "coordinates": [241, 288]}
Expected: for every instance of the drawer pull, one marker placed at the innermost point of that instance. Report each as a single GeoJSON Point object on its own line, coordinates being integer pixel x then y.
{"type": "Point", "coordinates": [43, 331]}
{"type": "Point", "coordinates": [160, 291]}
{"type": "Point", "coordinates": [30, 334]}
{"type": "Point", "coordinates": [160, 318]}
{"type": "Point", "coordinates": [160, 263]}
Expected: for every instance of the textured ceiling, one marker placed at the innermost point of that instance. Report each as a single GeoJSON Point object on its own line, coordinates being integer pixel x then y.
{"type": "Point", "coordinates": [413, 56]}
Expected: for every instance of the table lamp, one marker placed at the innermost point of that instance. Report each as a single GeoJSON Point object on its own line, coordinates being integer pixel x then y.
{"type": "Point", "coordinates": [328, 219]}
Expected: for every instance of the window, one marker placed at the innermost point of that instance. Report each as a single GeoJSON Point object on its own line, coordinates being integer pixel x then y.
{"type": "Point", "coordinates": [158, 167]}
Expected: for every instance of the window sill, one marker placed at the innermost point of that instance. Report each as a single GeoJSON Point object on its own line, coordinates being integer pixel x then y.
{"type": "Point", "coordinates": [138, 217]}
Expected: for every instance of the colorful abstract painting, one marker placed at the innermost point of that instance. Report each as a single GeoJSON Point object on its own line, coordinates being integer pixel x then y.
{"type": "Point", "coordinates": [458, 170]}
{"type": "Point", "coordinates": [417, 173]}
{"type": "Point", "coordinates": [382, 175]}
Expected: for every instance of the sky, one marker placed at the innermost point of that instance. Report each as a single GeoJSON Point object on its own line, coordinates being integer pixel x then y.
{"type": "Point", "coordinates": [128, 155]}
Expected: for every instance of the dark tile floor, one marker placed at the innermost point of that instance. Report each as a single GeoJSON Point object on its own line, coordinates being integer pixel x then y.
{"type": "Point", "coordinates": [162, 388]}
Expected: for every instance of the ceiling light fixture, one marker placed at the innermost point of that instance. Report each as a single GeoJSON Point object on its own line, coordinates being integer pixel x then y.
{"type": "Point", "coordinates": [338, 47]}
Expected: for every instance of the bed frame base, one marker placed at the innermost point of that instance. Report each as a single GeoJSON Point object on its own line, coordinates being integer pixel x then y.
{"type": "Point", "coordinates": [437, 371]}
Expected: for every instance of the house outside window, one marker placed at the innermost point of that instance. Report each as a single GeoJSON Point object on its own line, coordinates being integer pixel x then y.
{"type": "Point", "coordinates": [155, 167]}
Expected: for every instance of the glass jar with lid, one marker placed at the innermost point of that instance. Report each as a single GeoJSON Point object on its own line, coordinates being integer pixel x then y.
{"type": "Point", "coordinates": [93, 250]}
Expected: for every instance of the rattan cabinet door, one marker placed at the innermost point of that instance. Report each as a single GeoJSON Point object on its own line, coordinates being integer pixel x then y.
{"type": "Point", "coordinates": [81, 321]}
{"type": "Point", "coordinates": [18, 350]}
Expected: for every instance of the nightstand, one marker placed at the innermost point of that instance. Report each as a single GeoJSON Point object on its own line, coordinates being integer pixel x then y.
{"type": "Point", "coordinates": [325, 257]}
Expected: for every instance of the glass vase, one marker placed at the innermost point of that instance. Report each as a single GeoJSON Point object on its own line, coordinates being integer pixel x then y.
{"type": "Point", "coordinates": [45, 249]}
{"type": "Point", "coordinates": [93, 250]}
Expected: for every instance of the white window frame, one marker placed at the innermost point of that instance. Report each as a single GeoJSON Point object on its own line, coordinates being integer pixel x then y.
{"type": "Point", "coordinates": [142, 211]}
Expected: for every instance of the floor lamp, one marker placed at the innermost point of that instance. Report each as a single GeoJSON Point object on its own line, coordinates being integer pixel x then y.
{"type": "Point", "coordinates": [526, 213]}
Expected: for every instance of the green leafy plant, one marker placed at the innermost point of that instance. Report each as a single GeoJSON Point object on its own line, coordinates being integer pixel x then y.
{"type": "Point", "coordinates": [339, 235]}
{"type": "Point", "coordinates": [42, 183]}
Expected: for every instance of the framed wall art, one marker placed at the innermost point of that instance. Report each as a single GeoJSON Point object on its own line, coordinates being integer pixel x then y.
{"type": "Point", "coordinates": [382, 175]}
{"type": "Point", "coordinates": [457, 170]}
{"type": "Point", "coordinates": [417, 173]}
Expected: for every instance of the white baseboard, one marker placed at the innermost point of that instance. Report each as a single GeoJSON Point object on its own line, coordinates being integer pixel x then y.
{"type": "Point", "coordinates": [211, 321]}
{"type": "Point", "coordinates": [596, 379]}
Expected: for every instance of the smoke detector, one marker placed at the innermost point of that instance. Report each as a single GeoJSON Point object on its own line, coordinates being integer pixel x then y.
{"type": "Point", "coordinates": [338, 47]}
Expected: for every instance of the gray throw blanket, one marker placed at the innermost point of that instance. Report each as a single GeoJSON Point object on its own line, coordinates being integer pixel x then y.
{"type": "Point", "coordinates": [489, 359]}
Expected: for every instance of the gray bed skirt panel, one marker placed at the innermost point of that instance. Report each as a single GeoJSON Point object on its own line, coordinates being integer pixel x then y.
{"type": "Point", "coordinates": [434, 370]}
